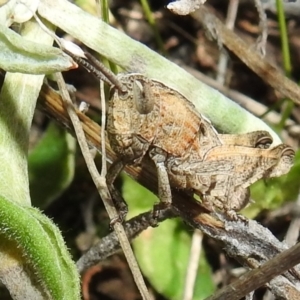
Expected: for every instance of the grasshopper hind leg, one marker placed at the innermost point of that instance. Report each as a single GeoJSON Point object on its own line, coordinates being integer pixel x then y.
{"type": "Point", "coordinates": [238, 200]}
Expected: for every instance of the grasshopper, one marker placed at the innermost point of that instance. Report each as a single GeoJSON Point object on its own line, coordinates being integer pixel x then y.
{"type": "Point", "coordinates": [223, 177]}
{"type": "Point", "coordinates": [145, 117]}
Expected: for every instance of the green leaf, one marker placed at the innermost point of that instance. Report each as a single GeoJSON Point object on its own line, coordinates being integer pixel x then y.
{"type": "Point", "coordinates": [163, 252]}
{"type": "Point", "coordinates": [163, 255]}
{"type": "Point", "coordinates": [51, 165]}
{"type": "Point", "coordinates": [21, 55]}
{"type": "Point", "coordinates": [33, 234]}
{"type": "Point", "coordinates": [42, 248]}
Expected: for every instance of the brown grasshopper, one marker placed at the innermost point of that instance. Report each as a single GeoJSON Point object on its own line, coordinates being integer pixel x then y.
{"type": "Point", "coordinates": [145, 117]}
{"type": "Point", "coordinates": [223, 177]}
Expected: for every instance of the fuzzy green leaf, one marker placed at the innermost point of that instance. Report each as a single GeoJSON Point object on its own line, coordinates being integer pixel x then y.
{"type": "Point", "coordinates": [21, 55]}
{"type": "Point", "coordinates": [42, 248]}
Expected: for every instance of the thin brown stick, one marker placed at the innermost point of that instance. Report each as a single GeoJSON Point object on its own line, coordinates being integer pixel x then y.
{"type": "Point", "coordinates": [100, 183]}
{"type": "Point", "coordinates": [223, 59]}
{"type": "Point", "coordinates": [192, 269]}
{"type": "Point", "coordinates": [292, 234]}
{"type": "Point", "coordinates": [103, 121]}
{"type": "Point", "coordinates": [258, 277]}
{"type": "Point", "coordinates": [263, 25]}
{"type": "Point", "coordinates": [253, 60]}
{"type": "Point", "coordinates": [110, 245]}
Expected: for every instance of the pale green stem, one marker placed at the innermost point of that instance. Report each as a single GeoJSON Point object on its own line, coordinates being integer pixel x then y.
{"type": "Point", "coordinates": [288, 105]}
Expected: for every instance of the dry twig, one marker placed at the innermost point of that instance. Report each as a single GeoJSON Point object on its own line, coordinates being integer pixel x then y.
{"type": "Point", "coordinates": [223, 59]}
{"type": "Point", "coordinates": [195, 252]}
{"type": "Point", "coordinates": [100, 183]}
{"type": "Point", "coordinates": [234, 43]}
{"type": "Point", "coordinates": [263, 25]}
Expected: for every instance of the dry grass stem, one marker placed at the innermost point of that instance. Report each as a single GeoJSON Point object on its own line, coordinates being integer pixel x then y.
{"type": "Point", "coordinates": [100, 183]}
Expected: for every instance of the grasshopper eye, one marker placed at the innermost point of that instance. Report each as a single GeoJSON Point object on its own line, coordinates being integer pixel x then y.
{"type": "Point", "coordinates": [264, 143]}
{"type": "Point", "coordinates": [288, 152]}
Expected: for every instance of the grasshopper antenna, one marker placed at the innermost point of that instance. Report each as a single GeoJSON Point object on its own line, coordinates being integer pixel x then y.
{"type": "Point", "coordinates": [98, 69]}
{"type": "Point", "coordinates": [108, 73]}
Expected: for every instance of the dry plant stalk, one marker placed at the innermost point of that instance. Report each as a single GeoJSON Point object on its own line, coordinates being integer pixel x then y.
{"type": "Point", "coordinates": [100, 183]}
{"type": "Point", "coordinates": [268, 72]}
